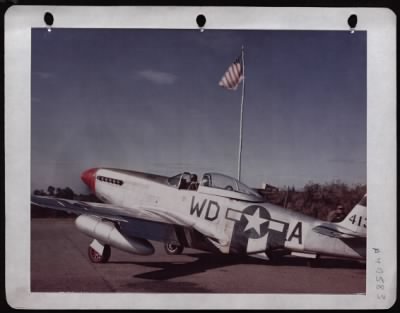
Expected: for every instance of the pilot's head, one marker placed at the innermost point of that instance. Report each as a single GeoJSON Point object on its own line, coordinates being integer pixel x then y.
{"type": "Point", "coordinates": [193, 178]}
{"type": "Point", "coordinates": [340, 209]}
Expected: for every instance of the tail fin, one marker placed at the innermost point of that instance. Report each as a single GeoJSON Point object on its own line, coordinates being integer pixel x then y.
{"type": "Point", "coordinates": [356, 220]}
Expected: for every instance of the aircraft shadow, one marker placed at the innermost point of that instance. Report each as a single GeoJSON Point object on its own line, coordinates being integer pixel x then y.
{"type": "Point", "coordinates": [203, 262]}
{"type": "Point", "coordinates": [325, 262]}
{"type": "Point", "coordinates": [206, 261]}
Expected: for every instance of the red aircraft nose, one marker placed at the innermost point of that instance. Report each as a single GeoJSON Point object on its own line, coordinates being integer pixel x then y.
{"type": "Point", "coordinates": [89, 178]}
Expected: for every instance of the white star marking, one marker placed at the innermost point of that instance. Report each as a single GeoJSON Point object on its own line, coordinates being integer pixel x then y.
{"type": "Point", "coordinates": [254, 221]}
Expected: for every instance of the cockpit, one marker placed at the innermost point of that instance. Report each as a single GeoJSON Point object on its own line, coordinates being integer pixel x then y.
{"type": "Point", "coordinates": [184, 180]}
{"type": "Point", "coordinates": [215, 183]}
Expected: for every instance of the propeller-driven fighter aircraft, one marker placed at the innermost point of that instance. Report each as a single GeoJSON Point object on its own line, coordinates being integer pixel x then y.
{"type": "Point", "coordinates": [217, 214]}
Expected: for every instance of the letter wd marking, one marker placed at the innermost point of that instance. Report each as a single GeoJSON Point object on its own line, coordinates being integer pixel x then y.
{"type": "Point", "coordinates": [196, 208]}
{"type": "Point", "coordinates": [215, 211]}
{"type": "Point", "coordinates": [211, 212]}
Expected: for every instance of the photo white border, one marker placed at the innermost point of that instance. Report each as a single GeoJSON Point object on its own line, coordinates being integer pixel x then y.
{"type": "Point", "coordinates": [380, 24]}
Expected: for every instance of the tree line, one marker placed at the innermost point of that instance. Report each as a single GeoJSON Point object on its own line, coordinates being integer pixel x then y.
{"type": "Point", "coordinates": [317, 200]}
{"type": "Point", "coordinates": [57, 192]}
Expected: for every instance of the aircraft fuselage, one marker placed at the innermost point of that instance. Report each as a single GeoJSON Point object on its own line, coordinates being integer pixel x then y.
{"type": "Point", "coordinates": [230, 225]}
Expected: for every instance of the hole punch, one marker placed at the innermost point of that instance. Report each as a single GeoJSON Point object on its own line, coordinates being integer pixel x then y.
{"type": "Point", "coordinates": [49, 20]}
{"type": "Point", "coordinates": [201, 21]}
{"type": "Point", "coordinates": [352, 21]}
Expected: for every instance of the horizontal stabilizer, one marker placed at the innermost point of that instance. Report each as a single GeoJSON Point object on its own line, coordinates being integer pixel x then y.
{"type": "Point", "coordinates": [354, 225]}
{"type": "Point", "coordinates": [333, 231]}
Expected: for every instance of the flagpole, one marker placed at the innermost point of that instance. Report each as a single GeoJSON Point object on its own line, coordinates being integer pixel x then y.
{"type": "Point", "coordinates": [241, 121]}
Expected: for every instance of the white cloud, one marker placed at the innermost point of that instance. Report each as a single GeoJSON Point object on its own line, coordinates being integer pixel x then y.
{"type": "Point", "coordinates": [157, 77]}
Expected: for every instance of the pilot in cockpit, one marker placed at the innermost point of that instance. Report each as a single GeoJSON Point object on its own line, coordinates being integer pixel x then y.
{"type": "Point", "coordinates": [183, 183]}
{"type": "Point", "coordinates": [193, 182]}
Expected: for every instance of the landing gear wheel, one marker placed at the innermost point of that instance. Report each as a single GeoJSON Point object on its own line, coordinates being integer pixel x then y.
{"type": "Point", "coordinates": [96, 257]}
{"type": "Point", "coordinates": [172, 248]}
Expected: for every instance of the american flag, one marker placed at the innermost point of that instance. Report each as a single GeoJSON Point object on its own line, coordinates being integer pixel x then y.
{"type": "Point", "coordinates": [233, 76]}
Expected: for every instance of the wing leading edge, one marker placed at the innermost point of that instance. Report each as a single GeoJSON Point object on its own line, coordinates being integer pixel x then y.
{"type": "Point", "coordinates": [103, 210]}
{"type": "Point", "coordinates": [137, 222]}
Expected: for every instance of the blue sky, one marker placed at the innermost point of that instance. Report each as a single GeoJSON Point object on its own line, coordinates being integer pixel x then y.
{"type": "Point", "coordinates": [149, 100]}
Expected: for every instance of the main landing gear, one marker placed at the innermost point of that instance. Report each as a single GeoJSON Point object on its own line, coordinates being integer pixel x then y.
{"type": "Point", "coordinates": [173, 248]}
{"type": "Point", "coordinates": [94, 252]}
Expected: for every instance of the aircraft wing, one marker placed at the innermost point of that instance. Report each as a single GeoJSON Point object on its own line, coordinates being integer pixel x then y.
{"type": "Point", "coordinates": [138, 222]}
{"type": "Point", "coordinates": [108, 211]}
{"type": "Point", "coordinates": [145, 222]}
{"type": "Point", "coordinates": [334, 231]}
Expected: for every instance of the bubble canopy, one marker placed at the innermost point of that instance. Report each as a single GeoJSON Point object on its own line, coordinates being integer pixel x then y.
{"type": "Point", "coordinates": [217, 183]}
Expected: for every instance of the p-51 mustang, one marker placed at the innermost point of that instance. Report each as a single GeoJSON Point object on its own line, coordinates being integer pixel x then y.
{"type": "Point", "coordinates": [219, 214]}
